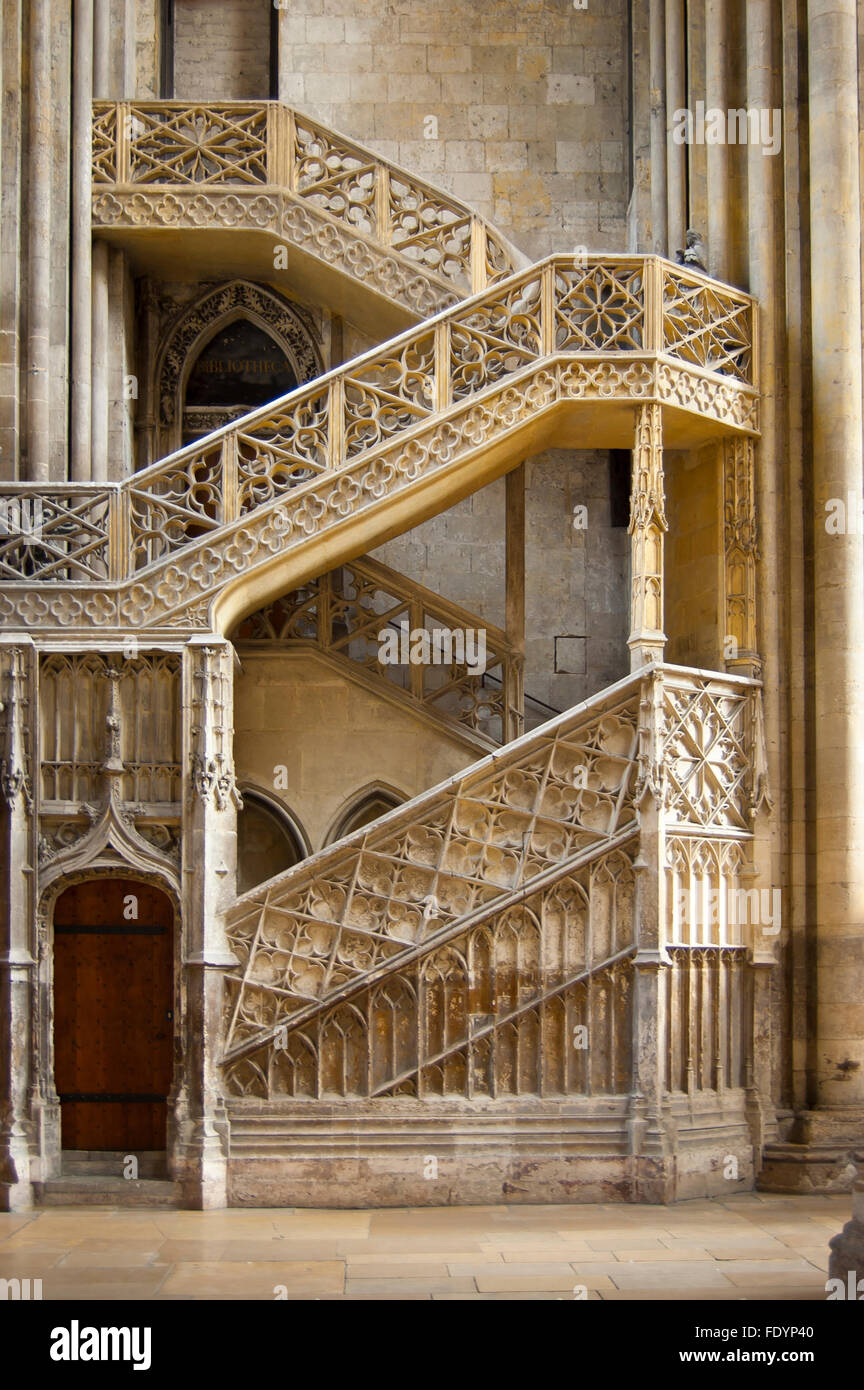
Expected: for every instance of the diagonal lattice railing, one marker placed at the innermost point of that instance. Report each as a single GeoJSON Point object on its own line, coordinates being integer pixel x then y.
{"type": "Point", "coordinates": [415, 876]}
{"type": "Point", "coordinates": [263, 166]}
{"type": "Point", "coordinates": [439, 655]}
{"type": "Point", "coordinates": [613, 328]}
{"type": "Point", "coordinates": [534, 845]}
{"type": "Point", "coordinates": [549, 804]}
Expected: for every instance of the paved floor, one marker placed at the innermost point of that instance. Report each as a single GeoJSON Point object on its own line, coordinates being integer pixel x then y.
{"type": "Point", "coordinates": [747, 1247]}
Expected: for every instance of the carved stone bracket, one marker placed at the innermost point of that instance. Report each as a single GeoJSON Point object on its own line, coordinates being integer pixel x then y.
{"type": "Point", "coordinates": [15, 775]}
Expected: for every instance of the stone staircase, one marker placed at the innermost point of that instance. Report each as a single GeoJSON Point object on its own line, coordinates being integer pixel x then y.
{"type": "Point", "coordinates": [460, 950]}
{"type": "Point", "coordinates": [96, 1180]}
{"type": "Point", "coordinates": [370, 449]}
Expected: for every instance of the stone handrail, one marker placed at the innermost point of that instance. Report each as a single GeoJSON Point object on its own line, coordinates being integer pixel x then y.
{"type": "Point", "coordinates": [615, 326]}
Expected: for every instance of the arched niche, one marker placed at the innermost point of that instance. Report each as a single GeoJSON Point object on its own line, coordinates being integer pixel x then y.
{"type": "Point", "coordinates": [237, 347]}
{"type": "Point", "coordinates": [269, 841]}
{"type": "Point", "coordinates": [362, 808]}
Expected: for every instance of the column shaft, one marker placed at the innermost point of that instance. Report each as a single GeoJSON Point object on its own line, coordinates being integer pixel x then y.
{"type": "Point", "coordinates": [39, 246]}
{"type": "Point", "coordinates": [838, 728]}
{"type": "Point", "coordinates": [676, 100]}
{"type": "Point", "coordinates": [716, 31]}
{"type": "Point", "coordinates": [81, 314]}
{"type": "Point", "coordinates": [100, 365]}
{"type": "Point", "coordinates": [657, 49]}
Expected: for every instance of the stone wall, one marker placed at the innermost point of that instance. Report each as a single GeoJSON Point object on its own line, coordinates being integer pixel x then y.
{"type": "Point", "coordinates": [694, 558]}
{"type": "Point", "coordinates": [519, 107]}
{"type": "Point", "coordinates": [334, 738]}
{"type": "Point", "coordinates": [221, 51]}
{"type": "Point", "coordinates": [576, 588]}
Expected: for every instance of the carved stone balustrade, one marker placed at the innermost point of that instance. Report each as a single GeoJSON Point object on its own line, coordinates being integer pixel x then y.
{"type": "Point", "coordinates": [261, 167]}
{"type": "Point", "coordinates": [566, 352]}
{"type": "Point", "coordinates": [492, 946]}
{"type": "Point", "coordinates": [345, 614]}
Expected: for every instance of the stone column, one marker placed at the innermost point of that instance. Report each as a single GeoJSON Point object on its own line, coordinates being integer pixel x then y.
{"type": "Point", "coordinates": [129, 51]}
{"type": "Point", "coordinates": [209, 877]}
{"type": "Point", "coordinates": [653, 1175]}
{"type": "Point", "coordinates": [99, 366]}
{"type": "Point", "coordinates": [648, 526]}
{"type": "Point", "coordinates": [657, 78]}
{"type": "Point", "coordinates": [18, 959]}
{"type": "Point", "coordinates": [838, 713]}
{"type": "Point", "coordinates": [12, 182]}
{"type": "Point", "coordinates": [676, 100]}
{"type": "Point", "coordinates": [716, 156]}
{"type": "Point", "coordinates": [38, 361]}
{"type": "Point", "coordinates": [102, 44]}
{"type": "Point", "coordinates": [80, 270]}
{"type": "Point", "coordinates": [515, 599]}
{"type": "Point", "coordinates": [740, 557]}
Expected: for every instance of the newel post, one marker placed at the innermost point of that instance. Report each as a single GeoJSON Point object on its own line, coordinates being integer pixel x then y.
{"type": "Point", "coordinates": [210, 802]}
{"type": "Point", "coordinates": [652, 1172]}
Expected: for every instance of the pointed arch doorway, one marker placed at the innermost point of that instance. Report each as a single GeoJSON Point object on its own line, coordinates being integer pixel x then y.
{"type": "Point", "coordinates": [113, 1014]}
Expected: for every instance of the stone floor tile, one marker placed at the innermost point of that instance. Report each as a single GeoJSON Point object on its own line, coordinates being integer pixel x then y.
{"type": "Point", "coordinates": [513, 1270]}
{"type": "Point", "coordinates": [779, 1280]}
{"type": "Point", "coordinates": [116, 1256]}
{"type": "Point", "coordinates": [253, 1281]}
{"type": "Point", "coordinates": [546, 1253]}
{"type": "Point", "coordinates": [65, 1282]}
{"type": "Point", "coordinates": [522, 1297]}
{"type": "Point", "coordinates": [373, 1269]}
{"type": "Point", "coordinates": [689, 1274]}
{"type": "Point", "coordinates": [372, 1255]}
{"type": "Point", "coordinates": [526, 1283]}
{"type": "Point", "coordinates": [661, 1254]}
{"type": "Point", "coordinates": [409, 1286]}
{"type": "Point", "coordinates": [622, 1241]}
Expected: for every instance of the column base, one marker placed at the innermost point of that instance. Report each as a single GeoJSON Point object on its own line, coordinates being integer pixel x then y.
{"type": "Point", "coordinates": [824, 1153]}
{"type": "Point", "coordinates": [16, 1185]}
{"type": "Point", "coordinates": [201, 1167]}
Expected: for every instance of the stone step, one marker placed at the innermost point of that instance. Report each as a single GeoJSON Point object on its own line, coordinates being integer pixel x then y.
{"type": "Point", "coordinates": [110, 1164]}
{"type": "Point", "coordinates": [102, 1191]}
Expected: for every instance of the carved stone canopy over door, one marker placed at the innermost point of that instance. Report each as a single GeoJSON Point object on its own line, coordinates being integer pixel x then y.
{"type": "Point", "coordinates": [238, 346]}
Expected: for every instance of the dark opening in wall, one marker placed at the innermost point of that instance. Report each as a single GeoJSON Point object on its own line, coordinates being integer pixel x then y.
{"type": "Point", "coordinates": [619, 487]}
{"type": "Point", "coordinates": [166, 49]}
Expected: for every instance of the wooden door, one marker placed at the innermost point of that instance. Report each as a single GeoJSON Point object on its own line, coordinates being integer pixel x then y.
{"type": "Point", "coordinates": [113, 1014]}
